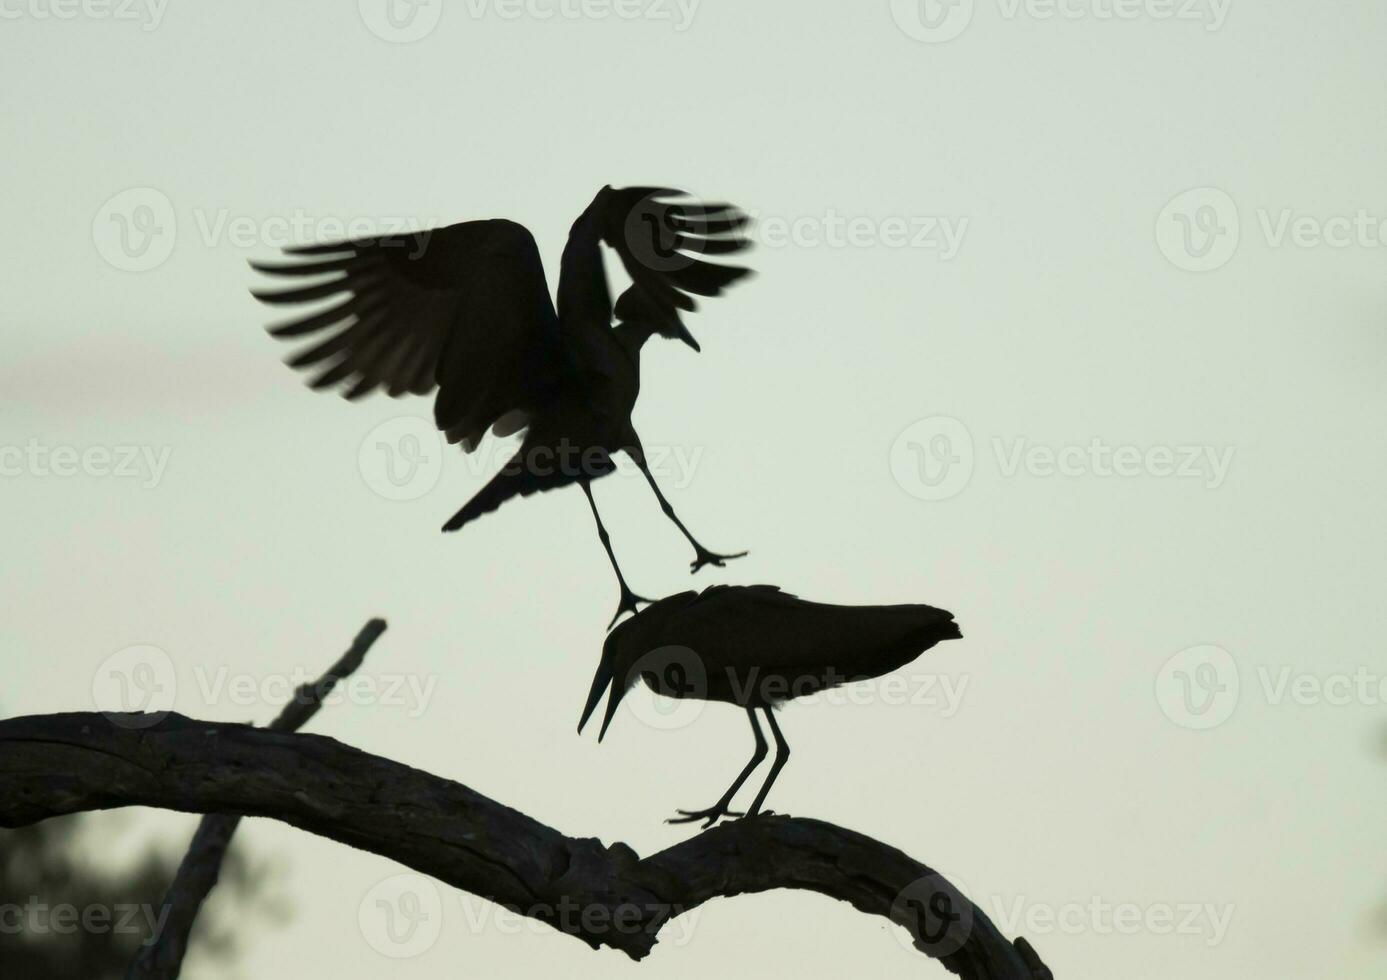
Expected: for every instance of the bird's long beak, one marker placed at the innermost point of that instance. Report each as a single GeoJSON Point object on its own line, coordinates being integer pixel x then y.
{"type": "Point", "coordinates": [613, 699]}
{"type": "Point", "coordinates": [600, 682]}
{"type": "Point", "coordinates": [688, 338]}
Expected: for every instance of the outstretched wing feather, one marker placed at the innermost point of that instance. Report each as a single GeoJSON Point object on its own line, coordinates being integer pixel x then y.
{"type": "Point", "coordinates": [464, 309]}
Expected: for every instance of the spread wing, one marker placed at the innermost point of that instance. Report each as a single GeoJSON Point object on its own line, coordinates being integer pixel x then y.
{"type": "Point", "coordinates": [662, 245]}
{"type": "Point", "coordinates": [464, 309]}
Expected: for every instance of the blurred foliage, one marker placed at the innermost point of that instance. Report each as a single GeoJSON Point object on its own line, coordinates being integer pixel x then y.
{"type": "Point", "coordinates": [63, 919]}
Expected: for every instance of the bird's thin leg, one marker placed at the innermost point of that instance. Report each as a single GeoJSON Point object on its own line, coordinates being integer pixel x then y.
{"type": "Point", "coordinates": [782, 755]}
{"type": "Point", "coordinates": [628, 598]}
{"type": "Point", "coordinates": [702, 555]}
{"type": "Point", "coordinates": [719, 809]}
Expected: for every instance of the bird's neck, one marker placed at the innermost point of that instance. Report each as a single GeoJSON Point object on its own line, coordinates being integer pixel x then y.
{"type": "Point", "coordinates": [632, 337]}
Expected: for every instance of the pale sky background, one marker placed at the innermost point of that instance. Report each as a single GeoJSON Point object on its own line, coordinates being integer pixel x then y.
{"type": "Point", "coordinates": [1066, 314]}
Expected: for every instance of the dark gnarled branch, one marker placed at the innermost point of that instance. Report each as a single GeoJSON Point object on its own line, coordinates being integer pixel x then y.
{"type": "Point", "coordinates": [201, 865]}
{"type": "Point", "coordinates": [55, 764]}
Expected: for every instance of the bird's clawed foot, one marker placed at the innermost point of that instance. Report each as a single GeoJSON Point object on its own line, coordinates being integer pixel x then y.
{"type": "Point", "coordinates": [629, 603]}
{"type": "Point", "coordinates": [706, 557]}
{"type": "Point", "coordinates": [709, 816]}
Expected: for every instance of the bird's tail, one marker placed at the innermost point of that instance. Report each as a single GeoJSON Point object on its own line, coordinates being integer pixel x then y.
{"type": "Point", "coordinates": [947, 630]}
{"type": "Point", "coordinates": [514, 479]}
{"type": "Point", "coordinates": [906, 632]}
{"type": "Point", "coordinates": [932, 625]}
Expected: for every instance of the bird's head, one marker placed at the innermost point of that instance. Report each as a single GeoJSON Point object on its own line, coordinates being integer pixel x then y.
{"type": "Point", "coordinates": [593, 217]}
{"type": "Point", "coordinates": [636, 309]}
{"type": "Point", "coordinates": [622, 653]}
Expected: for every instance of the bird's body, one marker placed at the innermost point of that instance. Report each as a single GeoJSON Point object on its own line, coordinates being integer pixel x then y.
{"type": "Point", "coordinates": [466, 310]}
{"type": "Point", "coordinates": [573, 435]}
{"type": "Point", "coordinates": [757, 647]}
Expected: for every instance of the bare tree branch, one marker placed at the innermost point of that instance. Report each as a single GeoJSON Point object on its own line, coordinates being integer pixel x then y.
{"type": "Point", "coordinates": [201, 866]}
{"type": "Point", "coordinates": [604, 895]}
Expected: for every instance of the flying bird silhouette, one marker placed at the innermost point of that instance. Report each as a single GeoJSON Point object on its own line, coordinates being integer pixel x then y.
{"type": "Point", "coordinates": [466, 310]}
{"type": "Point", "coordinates": [757, 647]}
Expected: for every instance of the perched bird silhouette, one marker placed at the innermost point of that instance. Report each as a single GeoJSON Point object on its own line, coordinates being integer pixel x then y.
{"type": "Point", "coordinates": [757, 647]}
{"type": "Point", "coordinates": [466, 310]}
